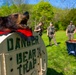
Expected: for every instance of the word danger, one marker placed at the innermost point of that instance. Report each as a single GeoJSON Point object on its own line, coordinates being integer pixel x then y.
{"type": "Point", "coordinates": [18, 43]}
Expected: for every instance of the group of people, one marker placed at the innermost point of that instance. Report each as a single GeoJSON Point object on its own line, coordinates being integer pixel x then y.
{"type": "Point", "coordinates": [50, 32]}
{"type": "Point", "coordinates": [70, 30]}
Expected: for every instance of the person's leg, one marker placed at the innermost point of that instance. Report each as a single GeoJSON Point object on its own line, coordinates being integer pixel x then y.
{"type": "Point", "coordinates": [49, 40]}
{"type": "Point", "coordinates": [54, 40]}
{"type": "Point", "coordinates": [72, 36]}
{"type": "Point", "coordinates": [69, 36]}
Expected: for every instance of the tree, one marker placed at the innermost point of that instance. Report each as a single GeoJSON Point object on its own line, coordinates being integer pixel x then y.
{"type": "Point", "coordinates": [71, 16]}
{"type": "Point", "coordinates": [42, 12]}
{"type": "Point", "coordinates": [20, 5]}
{"type": "Point", "coordinates": [59, 15]}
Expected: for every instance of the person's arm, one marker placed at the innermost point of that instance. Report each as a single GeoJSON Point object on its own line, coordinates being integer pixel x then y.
{"type": "Point", "coordinates": [74, 30]}
{"type": "Point", "coordinates": [47, 31]}
{"type": "Point", "coordinates": [37, 29]}
{"type": "Point", "coordinates": [66, 32]}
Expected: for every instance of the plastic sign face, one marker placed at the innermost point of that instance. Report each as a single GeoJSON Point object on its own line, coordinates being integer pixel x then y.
{"type": "Point", "coordinates": [21, 57]}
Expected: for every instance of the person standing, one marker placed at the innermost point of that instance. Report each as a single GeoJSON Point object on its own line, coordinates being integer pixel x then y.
{"type": "Point", "coordinates": [38, 29]}
{"type": "Point", "coordinates": [70, 31]}
{"type": "Point", "coordinates": [51, 33]}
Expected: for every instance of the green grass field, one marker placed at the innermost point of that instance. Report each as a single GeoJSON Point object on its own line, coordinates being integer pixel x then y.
{"type": "Point", "coordinates": [59, 61]}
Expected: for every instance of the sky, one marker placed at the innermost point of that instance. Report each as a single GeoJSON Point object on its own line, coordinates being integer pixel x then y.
{"type": "Point", "coordinates": [57, 3]}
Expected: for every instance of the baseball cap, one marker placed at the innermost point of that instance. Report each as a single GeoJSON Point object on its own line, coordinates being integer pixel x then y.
{"type": "Point", "coordinates": [51, 23]}
{"type": "Point", "coordinates": [71, 21]}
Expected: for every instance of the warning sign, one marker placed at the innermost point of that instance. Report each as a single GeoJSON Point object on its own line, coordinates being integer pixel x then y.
{"type": "Point", "coordinates": [21, 57]}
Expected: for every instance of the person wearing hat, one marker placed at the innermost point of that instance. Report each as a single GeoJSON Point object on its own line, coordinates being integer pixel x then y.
{"type": "Point", "coordinates": [51, 33]}
{"type": "Point", "coordinates": [70, 30]}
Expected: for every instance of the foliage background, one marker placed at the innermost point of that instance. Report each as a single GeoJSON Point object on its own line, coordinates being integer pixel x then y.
{"type": "Point", "coordinates": [59, 62]}
{"type": "Point", "coordinates": [43, 11]}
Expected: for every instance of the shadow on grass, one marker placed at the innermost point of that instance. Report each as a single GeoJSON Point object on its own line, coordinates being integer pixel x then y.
{"type": "Point", "coordinates": [58, 42]}
{"type": "Point", "coordinates": [51, 71]}
{"type": "Point", "coordinates": [53, 44]}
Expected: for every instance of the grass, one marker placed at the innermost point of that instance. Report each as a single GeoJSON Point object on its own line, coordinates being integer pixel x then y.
{"type": "Point", "coordinates": [59, 61]}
